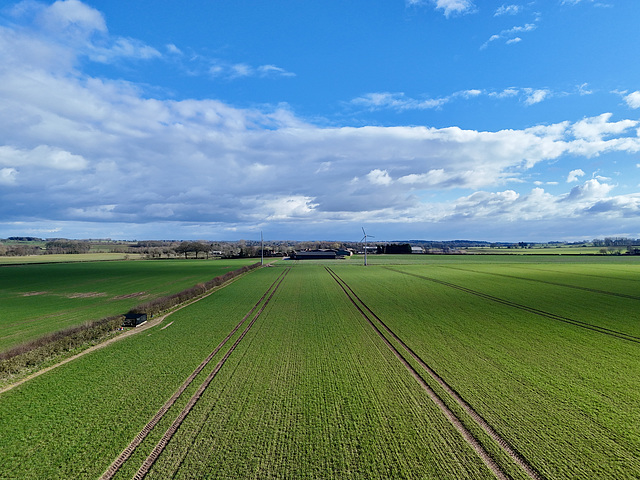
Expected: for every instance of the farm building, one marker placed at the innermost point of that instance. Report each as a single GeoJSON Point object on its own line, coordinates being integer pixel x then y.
{"type": "Point", "coordinates": [315, 255]}
{"type": "Point", "coordinates": [134, 319]}
{"type": "Point", "coordinates": [417, 250]}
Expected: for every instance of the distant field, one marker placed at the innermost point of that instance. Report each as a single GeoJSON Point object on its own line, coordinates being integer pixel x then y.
{"type": "Point", "coordinates": [418, 259]}
{"type": "Point", "coordinates": [563, 250]}
{"type": "Point", "coordinates": [66, 258]}
{"type": "Point", "coordinates": [41, 298]}
{"type": "Point", "coordinates": [333, 379]}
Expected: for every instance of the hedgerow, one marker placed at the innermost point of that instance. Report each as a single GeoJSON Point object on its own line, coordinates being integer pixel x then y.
{"type": "Point", "coordinates": [36, 352]}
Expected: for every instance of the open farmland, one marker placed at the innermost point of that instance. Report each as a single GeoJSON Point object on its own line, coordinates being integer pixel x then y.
{"type": "Point", "coordinates": [43, 298]}
{"type": "Point", "coordinates": [413, 367]}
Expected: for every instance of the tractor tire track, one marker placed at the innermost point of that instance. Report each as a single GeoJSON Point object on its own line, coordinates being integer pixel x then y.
{"type": "Point", "coordinates": [578, 323]}
{"type": "Point", "coordinates": [130, 449]}
{"type": "Point", "coordinates": [557, 284]}
{"type": "Point", "coordinates": [162, 443]}
{"type": "Point", "coordinates": [507, 448]}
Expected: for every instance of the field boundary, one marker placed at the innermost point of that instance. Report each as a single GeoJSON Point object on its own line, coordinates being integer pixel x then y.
{"type": "Point", "coordinates": [506, 447]}
{"type": "Point", "coordinates": [560, 318]}
{"type": "Point", "coordinates": [153, 456]}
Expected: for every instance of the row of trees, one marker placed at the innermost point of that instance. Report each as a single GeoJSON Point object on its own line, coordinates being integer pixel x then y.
{"type": "Point", "coordinates": [615, 242]}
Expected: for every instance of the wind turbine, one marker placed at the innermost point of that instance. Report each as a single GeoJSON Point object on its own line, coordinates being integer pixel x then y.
{"type": "Point", "coordinates": [365, 245]}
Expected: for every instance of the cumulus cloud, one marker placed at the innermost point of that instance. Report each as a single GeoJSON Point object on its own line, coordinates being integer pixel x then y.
{"type": "Point", "coordinates": [595, 128]}
{"type": "Point", "coordinates": [74, 148]}
{"type": "Point", "coordinates": [379, 177]}
{"type": "Point", "coordinates": [574, 175]}
{"type": "Point", "coordinates": [71, 24]}
{"type": "Point", "coordinates": [43, 156]}
{"type": "Point", "coordinates": [633, 99]}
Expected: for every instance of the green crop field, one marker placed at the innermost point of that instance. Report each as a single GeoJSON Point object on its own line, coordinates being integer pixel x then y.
{"type": "Point", "coordinates": [43, 298]}
{"type": "Point", "coordinates": [413, 367]}
{"type": "Point", "coordinates": [68, 258]}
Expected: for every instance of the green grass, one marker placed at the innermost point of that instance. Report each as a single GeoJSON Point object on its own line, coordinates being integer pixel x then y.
{"type": "Point", "coordinates": [40, 299]}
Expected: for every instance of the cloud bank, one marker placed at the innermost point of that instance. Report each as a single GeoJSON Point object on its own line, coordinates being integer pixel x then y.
{"type": "Point", "coordinates": [77, 148]}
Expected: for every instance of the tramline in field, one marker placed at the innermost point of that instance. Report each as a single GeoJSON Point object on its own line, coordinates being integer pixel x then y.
{"type": "Point", "coordinates": [375, 323]}
{"type": "Point", "coordinates": [126, 454]}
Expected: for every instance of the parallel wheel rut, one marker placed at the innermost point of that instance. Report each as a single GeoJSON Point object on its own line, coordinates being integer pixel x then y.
{"type": "Point", "coordinates": [150, 460]}
{"type": "Point", "coordinates": [507, 448]}
{"type": "Point", "coordinates": [578, 323]}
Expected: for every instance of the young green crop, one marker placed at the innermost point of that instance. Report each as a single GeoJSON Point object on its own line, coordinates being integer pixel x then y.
{"type": "Point", "coordinates": [564, 396]}
{"type": "Point", "coordinates": [314, 393]}
{"type": "Point", "coordinates": [89, 409]}
{"type": "Point", "coordinates": [40, 299]}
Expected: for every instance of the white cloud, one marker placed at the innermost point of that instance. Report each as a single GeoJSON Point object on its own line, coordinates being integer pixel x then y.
{"type": "Point", "coordinates": [584, 90]}
{"type": "Point", "coordinates": [397, 101]}
{"type": "Point", "coordinates": [76, 29]}
{"type": "Point", "coordinates": [8, 176]}
{"type": "Point", "coordinates": [42, 156]}
{"type": "Point", "coordinates": [595, 128]}
{"type": "Point", "coordinates": [171, 48]}
{"type": "Point", "coordinates": [633, 99]}
{"type": "Point", "coordinates": [450, 7]}
{"type": "Point", "coordinates": [74, 148]}
{"type": "Point", "coordinates": [123, 48]}
{"type": "Point", "coordinates": [574, 175]}
{"type": "Point", "coordinates": [510, 35]}
{"type": "Point", "coordinates": [72, 17]}
{"type": "Point", "coordinates": [229, 71]}
{"type": "Point", "coordinates": [536, 96]}
{"type": "Point", "coordinates": [507, 10]}
{"type": "Point", "coordinates": [269, 70]}
{"type": "Point", "coordinates": [454, 6]}
{"type": "Point", "coordinates": [379, 177]}
{"type": "Point", "coordinates": [590, 190]}
{"type": "Point", "coordinates": [506, 93]}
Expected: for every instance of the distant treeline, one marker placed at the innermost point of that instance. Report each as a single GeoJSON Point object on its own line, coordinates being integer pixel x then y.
{"type": "Point", "coordinates": [25, 245]}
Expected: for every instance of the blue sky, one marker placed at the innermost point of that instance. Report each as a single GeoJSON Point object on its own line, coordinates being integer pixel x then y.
{"type": "Point", "coordinates": [417, 119]}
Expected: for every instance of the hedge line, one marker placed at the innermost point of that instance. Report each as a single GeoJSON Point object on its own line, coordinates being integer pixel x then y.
{"type": "Point", "coordinates": [40, 350]}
